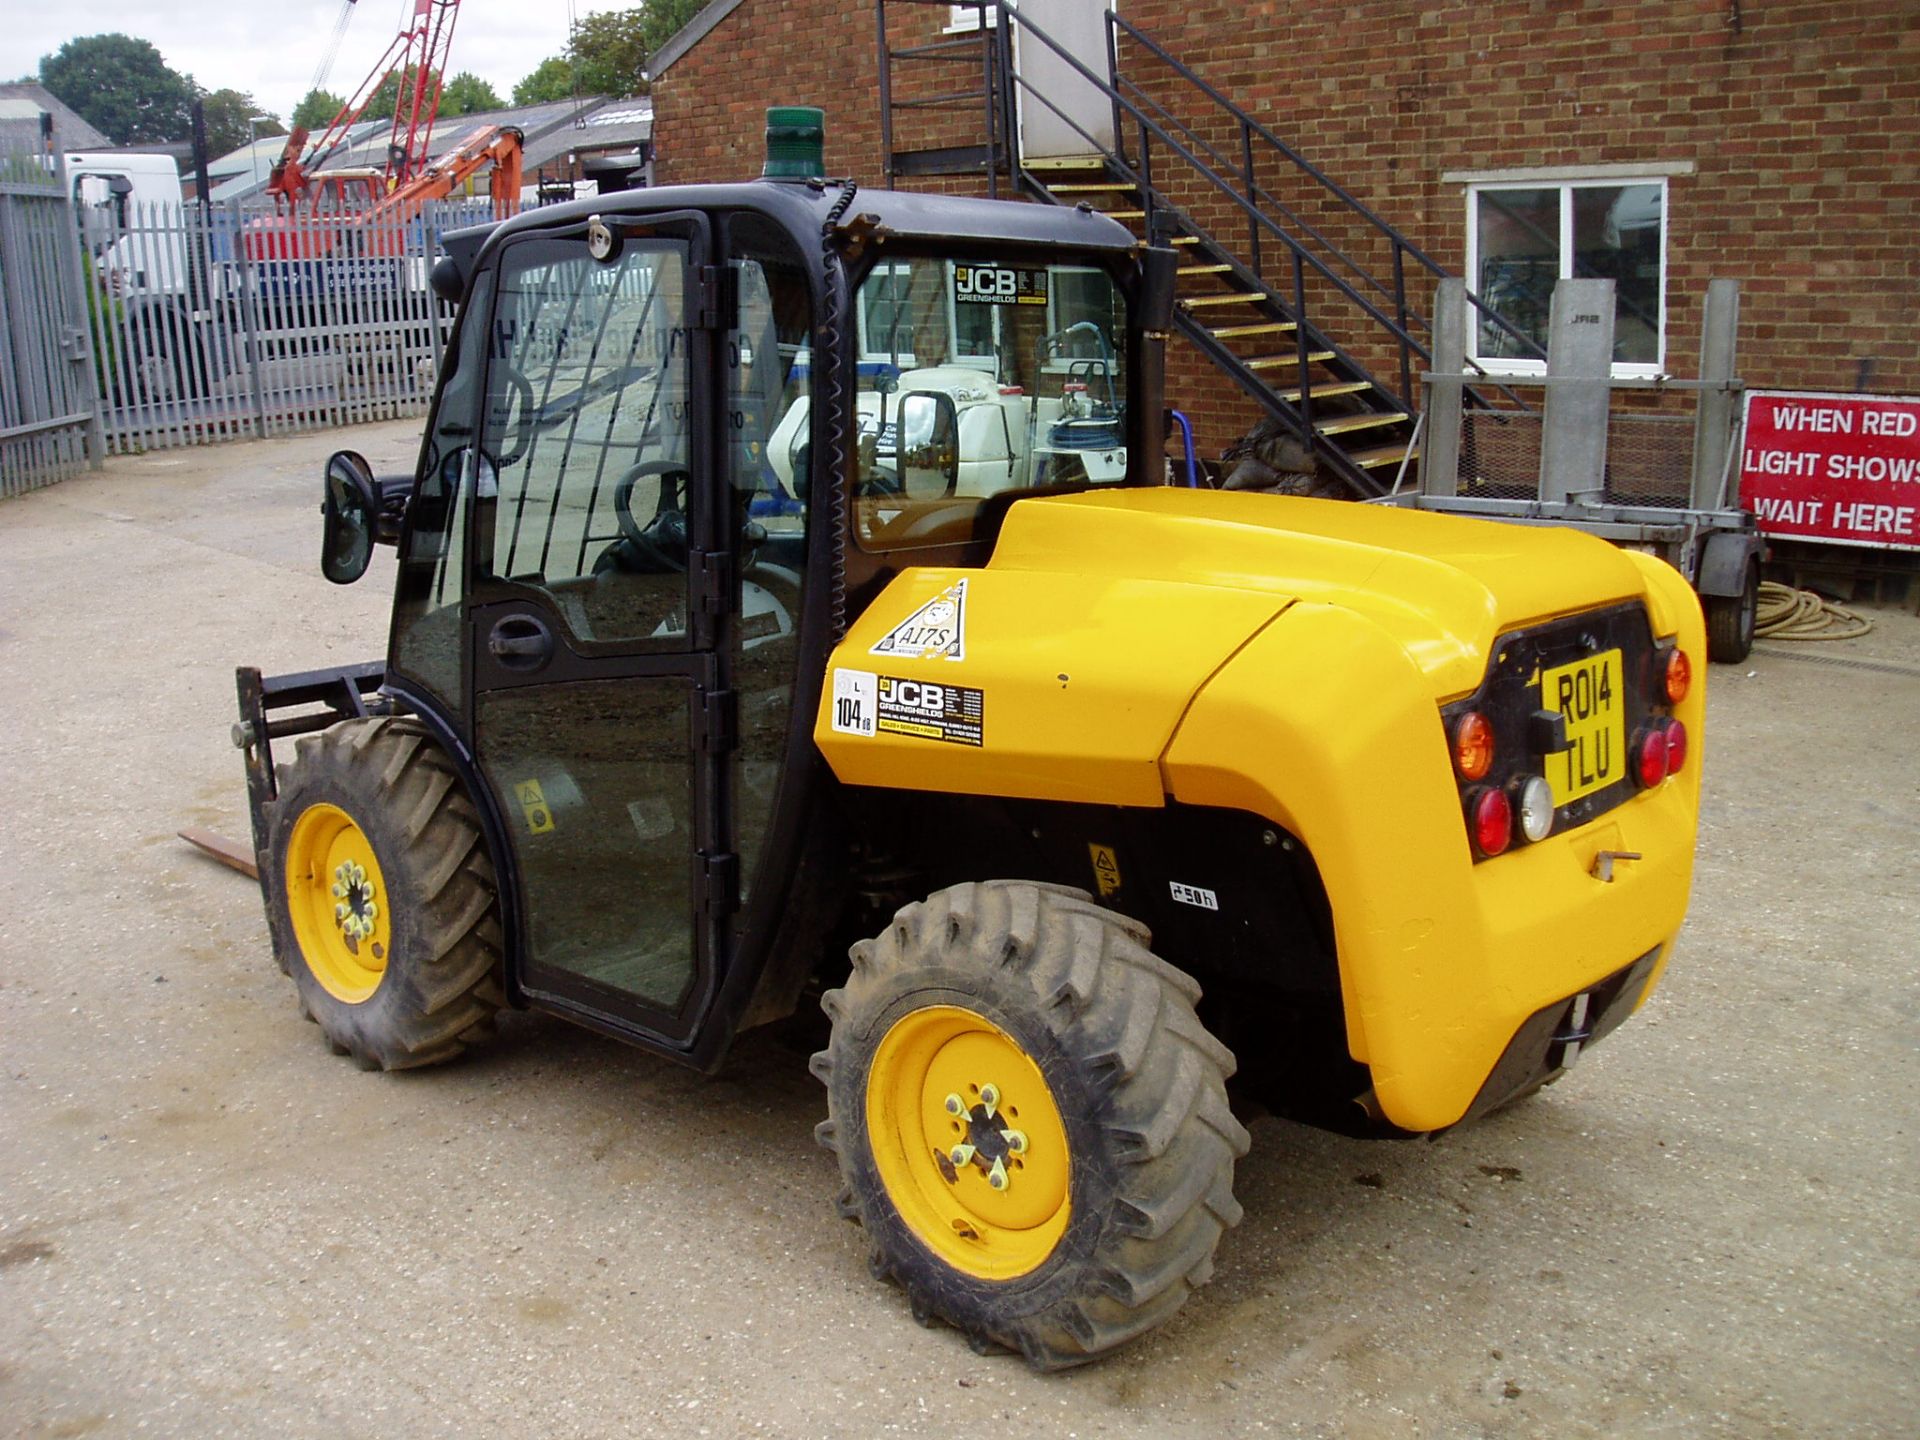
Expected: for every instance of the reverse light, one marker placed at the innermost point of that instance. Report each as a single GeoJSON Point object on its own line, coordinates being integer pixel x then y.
{"type": "Point", "coordinates": [1650, 757]}
{"type": "Point", "coordinates": [1536, 809]}
{"type": "Point", "coordinates": [1490, 816]}
{"type": "Point", "coordinates": [1679, 676]}
{"type": "Point", "coordinates": [1676, 746]}
{"type": "Point", "coordinates": [1472, 746]}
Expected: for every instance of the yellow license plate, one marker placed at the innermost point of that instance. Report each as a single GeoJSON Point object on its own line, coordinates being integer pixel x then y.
{"type": "Point", "coordinates": [1588, 694]}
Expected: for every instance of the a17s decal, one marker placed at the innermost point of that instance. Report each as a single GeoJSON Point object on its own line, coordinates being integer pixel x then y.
{"type": "Point", "coordinates": [936, 631]}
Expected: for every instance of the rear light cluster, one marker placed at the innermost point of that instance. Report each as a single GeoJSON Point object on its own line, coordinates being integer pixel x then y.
{"type": "Point", "coordinates": [1513, 804]}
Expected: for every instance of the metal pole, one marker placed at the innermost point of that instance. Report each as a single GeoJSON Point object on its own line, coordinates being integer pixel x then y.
{"type": "Point", "coordinates": [1714, 413]}
{"type": "Point", "coordinates": [1302, 344]}
{"type": "Point", "coordinates": [1113, 79]}
{"type": "Point", "coordinates": [1573, 430]}
{"type": "Point", "coordinates": [244, 300]}
{"type": "Point", "coordinates": [1246, 171]}
{"type": "Point", "coordinates": [1400, 319]}
{"type": "Point", "coordinates": [988, 99]}
{"type": "Point", "coordinates": [1446, 391]}
{"type": "Point", "coordinates": [885, 66]}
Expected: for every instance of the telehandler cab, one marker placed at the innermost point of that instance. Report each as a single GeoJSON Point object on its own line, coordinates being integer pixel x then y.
{"type": "Point", "coordinates": [786, 564]}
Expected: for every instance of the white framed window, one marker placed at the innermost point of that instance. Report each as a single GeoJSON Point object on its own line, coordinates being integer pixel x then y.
{"type": "Point", "coordinates": [908, 318]}
{"type": "Point", "coordinates": [1523, 234]}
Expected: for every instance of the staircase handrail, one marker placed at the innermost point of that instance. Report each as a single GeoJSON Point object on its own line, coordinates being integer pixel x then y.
{"type": "Point", "coordinates": [1253, 127]}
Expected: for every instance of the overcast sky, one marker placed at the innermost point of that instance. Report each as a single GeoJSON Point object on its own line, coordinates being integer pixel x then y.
{"type": "Point", "coordinates": [270, 48]}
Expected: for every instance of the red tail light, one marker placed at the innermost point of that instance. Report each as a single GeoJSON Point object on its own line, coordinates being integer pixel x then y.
{"type": "Point", "coordinates": [1490, 814]}
{"type": "Point", "coordinates": [1650, 757]}
{"type": "Point", "coordinates": [1676, 746]}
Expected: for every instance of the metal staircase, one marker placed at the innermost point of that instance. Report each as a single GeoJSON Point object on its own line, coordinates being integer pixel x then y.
{"type": "Point", "coordinates": [1328, 336]}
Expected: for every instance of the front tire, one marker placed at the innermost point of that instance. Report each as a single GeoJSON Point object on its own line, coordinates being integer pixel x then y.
{"type": "Point", "coordinates": [1030, 1119]}
{"type": "Point", "coordinates": [381, 896]}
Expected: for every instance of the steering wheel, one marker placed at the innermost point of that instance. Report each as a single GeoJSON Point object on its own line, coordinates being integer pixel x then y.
{"type": "Point", "coordinates": [662, 541]}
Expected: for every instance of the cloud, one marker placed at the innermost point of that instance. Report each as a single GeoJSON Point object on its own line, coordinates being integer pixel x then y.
{"type": "Point", "coordinates": [271, 50]}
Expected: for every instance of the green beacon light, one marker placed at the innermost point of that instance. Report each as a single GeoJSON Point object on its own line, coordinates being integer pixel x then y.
{"type": "Point", "coordinates": [796, 143]}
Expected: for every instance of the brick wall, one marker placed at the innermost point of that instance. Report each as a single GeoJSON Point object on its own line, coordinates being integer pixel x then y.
{"type": "Point", "coordinates": [1801, 122]}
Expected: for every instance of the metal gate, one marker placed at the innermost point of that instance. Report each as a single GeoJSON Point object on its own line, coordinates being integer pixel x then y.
{"type": "Point", "coordinates": [48, 424]}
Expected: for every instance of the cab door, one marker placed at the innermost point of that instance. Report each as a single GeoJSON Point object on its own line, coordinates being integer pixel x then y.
{"type": "Point", "coordinates": [596, 613]}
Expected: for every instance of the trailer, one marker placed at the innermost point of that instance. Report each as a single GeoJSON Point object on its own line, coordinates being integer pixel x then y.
{"type": "Point", "coordinates": [1693, 521]}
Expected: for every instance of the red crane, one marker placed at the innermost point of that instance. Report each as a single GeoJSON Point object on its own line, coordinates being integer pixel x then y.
{"type": "Point", "coordinates": [418, 55]}
{"type": "Point", "coordinates": [359, 196]}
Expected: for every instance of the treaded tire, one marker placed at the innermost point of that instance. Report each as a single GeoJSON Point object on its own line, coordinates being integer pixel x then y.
{"type": "Point", "coordinates": [1731, 619]}
{"type": "Point", "coordinates": [440, 988]}
{"type": "Point", "coordinates": [1138, 1081]}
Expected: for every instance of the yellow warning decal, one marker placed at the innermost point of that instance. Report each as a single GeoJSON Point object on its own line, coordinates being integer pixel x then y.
{"type": "Point", "coordinates": [533, 805]}
{"type": "Point", "coordinates": [1106, 869]}
{"type": "Point", "coordinates": [936, 631]}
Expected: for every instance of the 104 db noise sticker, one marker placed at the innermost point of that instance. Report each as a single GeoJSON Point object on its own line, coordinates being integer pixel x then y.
{"type": "Point", "coordinates": [868, 704]}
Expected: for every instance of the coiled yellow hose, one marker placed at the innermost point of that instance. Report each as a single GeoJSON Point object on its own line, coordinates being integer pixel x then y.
{"type": "Point", "coordinates": [1785, 613]}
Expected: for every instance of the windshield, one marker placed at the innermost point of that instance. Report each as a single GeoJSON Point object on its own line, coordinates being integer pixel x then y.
{"type": "Point", "coordinates": [975, 378]}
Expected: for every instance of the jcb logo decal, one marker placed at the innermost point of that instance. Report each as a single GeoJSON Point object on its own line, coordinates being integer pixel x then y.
{"type": "Point", "coordinates": [913, 694]}
{"type": "Point", "coordinates": [986, 280]}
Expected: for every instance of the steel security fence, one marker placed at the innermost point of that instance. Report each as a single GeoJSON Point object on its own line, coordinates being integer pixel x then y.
{"type": "Point", "coordinates": [47, 415]}
{"type": "Point", "coordinates": [216, 323]}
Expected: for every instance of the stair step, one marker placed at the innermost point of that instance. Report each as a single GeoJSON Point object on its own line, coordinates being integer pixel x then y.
{"type": "Point", "coordinates": [1347, 424]}
{"type": "Point", "coordinates": [1349, 387]}
{"type": "Point", "coordinates": [1274, 362]}
{"type": "Point", "coordinates": [1250, 297]}
{"type": "Point", "coordinates": [1265, 327]}
{"type": "Point", "coordinates": [1385, 455]}
{"type": "Point", "coordinates": [1182, 240]}
{"type": "Point", "coordinates": [1125, 214]}
{"type": "Point", "coordinates": [1205, 269]}
{"type": "Point", "coordinates": [1091, 189]}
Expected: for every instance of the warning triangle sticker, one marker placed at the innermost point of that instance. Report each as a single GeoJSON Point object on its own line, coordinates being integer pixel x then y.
{"type": "Point", "coordinates": [936, 631]}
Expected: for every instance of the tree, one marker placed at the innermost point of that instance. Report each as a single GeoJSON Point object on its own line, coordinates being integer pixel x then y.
{"type": "Point", "coordinates": [611, 49]}
{"type": "Point", "coordinates": [122, 87]}
{"type": "Point", "coordinates": [467, 94]}
{"type": "Point", "coordinates": [227, 112]}
{"type": "Point", "coordinates": [316, 112]}
{"type": "Point", "coordinates": [551, 80]}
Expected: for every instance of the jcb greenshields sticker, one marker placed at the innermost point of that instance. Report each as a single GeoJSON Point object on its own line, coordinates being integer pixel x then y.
{"type": "Point", "coordinates": [936, 631]}
{"type": "Point", "coordinates": [998, 285]}
{"type": "Point", "coordinates": [868, 704]}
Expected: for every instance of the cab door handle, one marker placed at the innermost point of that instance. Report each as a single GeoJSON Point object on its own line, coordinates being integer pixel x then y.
{"type": "Point", "coordinates": [520, 642]}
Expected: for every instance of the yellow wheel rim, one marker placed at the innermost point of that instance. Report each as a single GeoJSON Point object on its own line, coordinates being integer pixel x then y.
{"type": "Point", "coordinates": [337, 899]}
{"type": "Point", "coordinates": [968, 1142]}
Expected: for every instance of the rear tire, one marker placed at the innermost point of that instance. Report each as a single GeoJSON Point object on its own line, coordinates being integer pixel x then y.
{"type": "Point", "coordinates": [381, 896]}
{"type": "Point", "coordinates": [1117, 1092]}
{"type": "Point", "coordinates": [1731, 619]}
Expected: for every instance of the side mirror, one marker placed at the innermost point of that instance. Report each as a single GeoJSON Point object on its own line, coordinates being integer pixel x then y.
{"type": "Point", "coordinates": [1159, 272]}
{"type": "Point", "coordinates": [350, 508]}
{"type": "Point", "coordinates": [447, 279]}
{"type": "Point", "coordinates": [927, 431]}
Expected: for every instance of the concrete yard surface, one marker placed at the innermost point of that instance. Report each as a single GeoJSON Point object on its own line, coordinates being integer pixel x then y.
{"type": "Point", "coordinates": [211, 1226]}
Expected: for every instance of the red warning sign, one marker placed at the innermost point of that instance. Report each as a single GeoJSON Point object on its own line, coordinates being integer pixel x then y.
{"type": "Point", "coordinates": [1839, 468]}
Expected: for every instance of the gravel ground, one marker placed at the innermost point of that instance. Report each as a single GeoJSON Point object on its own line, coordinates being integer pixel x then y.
{"type": "Point", "coordinates": [210, 1226]}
